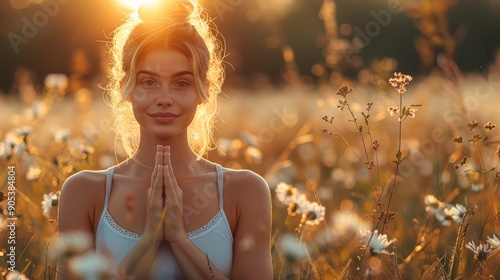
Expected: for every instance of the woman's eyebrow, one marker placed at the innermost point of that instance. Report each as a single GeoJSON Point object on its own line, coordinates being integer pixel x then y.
{"type": "Point", "coordinates": [155, 74]}
{"type": "Point", "coordinates": [182, 73]}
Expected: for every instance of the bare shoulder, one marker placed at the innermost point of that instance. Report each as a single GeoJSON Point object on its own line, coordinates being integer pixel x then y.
{"type": "Point", "coordinates": [244, 187]}
{"type": "Point", "coordinates": [84, 183]}
{"type": "Point", "coordinates": [82, 196]}
{"type": "Point", "coordinates": [244, 181]}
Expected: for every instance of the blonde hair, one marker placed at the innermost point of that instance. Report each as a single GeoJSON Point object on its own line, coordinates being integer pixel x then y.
{"type": "Point", "coordinates": [178, 24]}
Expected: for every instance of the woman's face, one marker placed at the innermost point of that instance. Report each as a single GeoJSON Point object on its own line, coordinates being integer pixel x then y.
{"type": "Point", "coordinates": [165, 97]}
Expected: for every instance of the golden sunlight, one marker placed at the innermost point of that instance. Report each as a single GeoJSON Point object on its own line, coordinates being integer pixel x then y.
{"type": "Point", "coordinates": [136, 3]}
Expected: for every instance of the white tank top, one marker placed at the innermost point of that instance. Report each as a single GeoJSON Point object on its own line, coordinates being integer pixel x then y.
{"type": "Point", "coordinates": [214, 239]}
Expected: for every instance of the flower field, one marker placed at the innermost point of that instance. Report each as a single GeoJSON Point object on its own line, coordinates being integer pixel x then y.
{"type": "Point", "coordinates": [361, 188]}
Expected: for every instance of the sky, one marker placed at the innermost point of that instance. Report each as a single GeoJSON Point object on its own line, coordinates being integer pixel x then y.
{"type": "Point", "coordinates": [43, 38]}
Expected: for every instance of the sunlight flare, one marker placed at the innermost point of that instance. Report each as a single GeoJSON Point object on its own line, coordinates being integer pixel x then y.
{"type": "Point", "coordinates": [134, 4]}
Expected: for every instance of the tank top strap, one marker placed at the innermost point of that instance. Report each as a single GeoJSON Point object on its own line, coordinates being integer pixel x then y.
{"type": "Point", "coordinates": [220, 185]}
{"type": "Point", "coordinates": [109, 179]}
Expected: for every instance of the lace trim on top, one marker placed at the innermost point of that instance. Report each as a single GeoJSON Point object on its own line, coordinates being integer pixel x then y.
{"type": "Point", "coordinates": [134, 235]}
{"type": "Point", "coordinates": [118, 228]}
{"type": "Point", "coordinates": [206, 227]}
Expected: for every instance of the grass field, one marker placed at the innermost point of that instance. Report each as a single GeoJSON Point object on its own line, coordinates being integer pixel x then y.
{"type": "Point", "coordinates": [426, 205]}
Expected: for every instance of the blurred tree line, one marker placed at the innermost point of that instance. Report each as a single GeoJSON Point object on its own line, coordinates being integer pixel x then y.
{"type": "Point", "coordinates": [261, 37]}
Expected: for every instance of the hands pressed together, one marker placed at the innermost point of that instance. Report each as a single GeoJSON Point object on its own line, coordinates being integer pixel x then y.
{"type": "Point", "coordinates": [164, 219]}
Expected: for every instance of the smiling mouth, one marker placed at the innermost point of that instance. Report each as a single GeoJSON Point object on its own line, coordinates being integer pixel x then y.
{"type": "Point", "coordinates": [164, 117]}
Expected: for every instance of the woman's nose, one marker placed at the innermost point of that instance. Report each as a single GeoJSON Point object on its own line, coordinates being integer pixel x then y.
{"type": "Point", "coordinates": [164, 98]}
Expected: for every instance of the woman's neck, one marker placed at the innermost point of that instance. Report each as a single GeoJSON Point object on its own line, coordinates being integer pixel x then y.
{"type": "Point", "coordinates": [181, 155]}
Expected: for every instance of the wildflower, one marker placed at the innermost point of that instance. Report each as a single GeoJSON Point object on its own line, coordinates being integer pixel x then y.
{"type": "Point", "coordinates": [38, 109]}
{"type": "Point", "coordinates": [91, 266]}
{"type": "Point", "coordinates": [376, 242]}
{"type": "Point", "coordinates": [5, 150]}
{"type": "Point", "coordinates": [328, 120]}
{"type": "Point", "coordinates": [489, 126]}
{"type": "Point", "coordinates": [313, 213]}
{"type": "Point", "coordinates": [297, 205]}
{"type": "Point", "coordinates": [224, 146]}
{"type": "Point", "coordinates": [14, 275]}
{"type": "Point", "coordinates": [70, 244]}
{"type": "Point", "coordinates": [250, 139]}
{"type": "Point", "coordinates": [400, 81]}
{"type": "Point", "coordinates": [458, 139]}
{"type": "Point", "coordinates": [348, 222]}
{"type": "Point", "coordinates": [393, 110]}
{"type": "Point", "coordinates": [477, 187]}
{"type": "Point", "coordinates": [291, 248]}
{"type": "Point", "coordinates": [410, 113]}
{"type": "Point", "coordinates": [57, 83]}
{"type": "Point", "coordinates": [481, 252]}
{"type": "Point", "coordinates": [457, 212]}
{"type": "Point", "coordinates": [433, 204]}
{"type": "Point", "coordinates": [33, 173]}
{"type": "Point", "coordinates": [494, 242]}
{"type": "Point", "coordinates": [449, 214]}
{"type": "Point", "coordinates": [253, 155]}
{"type": "Point", "coordinates": [472, 125]}
{"type": "Point", "coordinates": [341, 103]}
{"type": "Point", "coordinates": [375, 144]}
{"type": "Point", "coordinates": [24, 131]}
{"type": "Point", "coordinates": [81, 148]}
{"type": "Point", "coordinates": [344, 90]}
{"type": "Point", "coordinates": [286, 193]}
{"type": "Point", "coordinates": [49, 200]}
{"type": "Point", "coordinates": [62, 136]}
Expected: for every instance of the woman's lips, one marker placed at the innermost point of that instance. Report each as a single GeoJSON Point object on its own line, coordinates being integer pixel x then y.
{"type": "Point", "coordinates": [164, 117]}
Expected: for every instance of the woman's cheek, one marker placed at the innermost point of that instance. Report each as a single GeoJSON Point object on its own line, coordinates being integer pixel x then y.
{"type": "Point", "coordinates": [139, 96]}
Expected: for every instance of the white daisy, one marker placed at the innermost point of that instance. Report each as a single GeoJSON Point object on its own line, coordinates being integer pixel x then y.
{"type": "Point", "coordinates": [457, 212]}
{"type": "Point", "coordinates": [298, 204]}
{"type": "Point", "coordinates": [481, 252]}
{"type": "Point", "coordinates": [346, 223]}
{"type": "Point", "coordinates": [33, 173]}
{"type": "Point", "coordinates": [445, 217]}
{"type": "Point", "coordinates": [253, 155]}
{"type": "Point", "coordinates": [62, 136]}
{"type": "Point", "coordinates": [70, 244]}
{"type": "Point", "coordinates": [433, 204]}
{"type": "Point", "coordinates": [291, 248]}
{"type": "Point", "coordinates": [313, 213]}
{"type": "Point", "coordinates": [286, 193]}
{"type": "Point", "coordinates": [5, 150]}
{"type": "Point", "coordinates": [91, 266]}
{"type": "Point", "coordinates": [494, 242]}
{"type": "Point", "coordinates": [49, 200]}
{"type": "Point", "coordinates": [377, 243]}
{"type": "Point", "coordinates": [14, 275]}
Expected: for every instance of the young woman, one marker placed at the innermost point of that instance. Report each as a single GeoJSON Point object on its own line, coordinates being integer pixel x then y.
{"type": "Point", "coordinates": [166, 212]}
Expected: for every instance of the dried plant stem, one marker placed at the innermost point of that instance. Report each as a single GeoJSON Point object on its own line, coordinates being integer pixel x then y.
{"type": "Point", "coordinates": [399, 159]}
{"type": "Point", "coordinates": [488, 186]}
{"type": "Point", "coordinates": [456, 256]}
{"type": "Point", "coordinates": [360, 132]}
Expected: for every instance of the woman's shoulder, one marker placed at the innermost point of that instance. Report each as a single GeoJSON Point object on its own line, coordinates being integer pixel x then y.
{"type": "Point", "coordinates": [85, 182]}
{"type": "Point", "coordinates": [243, 182]}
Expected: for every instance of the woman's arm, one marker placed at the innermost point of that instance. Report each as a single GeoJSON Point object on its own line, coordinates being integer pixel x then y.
{"type": "Point", "coordinates": [76, 211]}
{"type": "Point", "coordinates": [252, 236]}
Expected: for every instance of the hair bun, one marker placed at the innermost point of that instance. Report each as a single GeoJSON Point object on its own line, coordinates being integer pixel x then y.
{"type": "Point", "coordinates": [172, 11]}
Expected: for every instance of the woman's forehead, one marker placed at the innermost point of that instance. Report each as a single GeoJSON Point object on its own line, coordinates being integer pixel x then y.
{"type": "Point", "coordinates": [163, 61]}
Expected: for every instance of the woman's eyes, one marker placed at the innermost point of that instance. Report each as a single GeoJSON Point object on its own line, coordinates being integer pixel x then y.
{"type": "Point", "coordinates": [182, 83]}
{"type": "Point", "coordinates": [150, 83]}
